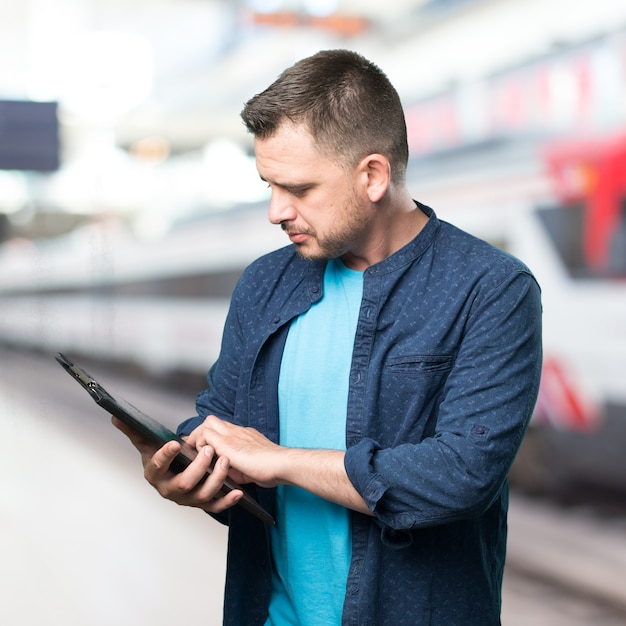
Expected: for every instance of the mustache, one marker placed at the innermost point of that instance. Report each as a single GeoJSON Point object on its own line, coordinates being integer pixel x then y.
{"type": "Point", "coordinates": [290, 227]}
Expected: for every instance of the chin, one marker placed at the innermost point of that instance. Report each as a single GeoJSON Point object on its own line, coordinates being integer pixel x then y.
{"type": "Point", "coordinates": [318, 253]}
{"type": "Point", "coordinates": [313, 255]}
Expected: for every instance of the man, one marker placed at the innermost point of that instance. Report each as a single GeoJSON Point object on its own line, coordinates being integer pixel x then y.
{"type": "Point", "coordinates": [375, 380]}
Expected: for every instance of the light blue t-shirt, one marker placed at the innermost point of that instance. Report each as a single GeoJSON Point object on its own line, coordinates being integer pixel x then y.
{"type": "Point", "coordinates": [311, 542]}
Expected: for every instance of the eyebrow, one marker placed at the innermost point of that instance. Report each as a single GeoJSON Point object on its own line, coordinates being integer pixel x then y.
{"type": "Point", "coordinates": [291, 187]}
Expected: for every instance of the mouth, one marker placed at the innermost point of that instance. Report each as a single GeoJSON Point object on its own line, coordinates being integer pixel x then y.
{"type": "Point", "coordinates": [294, 235]}
{"type": "Point", "coordinates": [297, 237]}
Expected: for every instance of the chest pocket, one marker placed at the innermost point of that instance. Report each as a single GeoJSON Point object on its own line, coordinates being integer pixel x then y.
{"type": "Point", "coordinates": [420, 364]}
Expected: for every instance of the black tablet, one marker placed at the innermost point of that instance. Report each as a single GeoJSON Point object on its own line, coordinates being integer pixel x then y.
{"type": "Point", "coordinates": [152, 430]}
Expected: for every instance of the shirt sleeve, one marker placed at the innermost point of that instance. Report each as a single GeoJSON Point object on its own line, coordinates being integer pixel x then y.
{"type": "Point", "coordinates": [219, 397]}
{"type": "Point", "coordinates": [487, 401]}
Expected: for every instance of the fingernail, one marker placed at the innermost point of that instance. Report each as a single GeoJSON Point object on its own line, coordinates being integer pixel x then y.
{"type": "Point", "coordinates": [225, 463]}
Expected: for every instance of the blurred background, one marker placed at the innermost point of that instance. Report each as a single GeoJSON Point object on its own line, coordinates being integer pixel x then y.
{"type": "Point", "coordinates": [130, 203]}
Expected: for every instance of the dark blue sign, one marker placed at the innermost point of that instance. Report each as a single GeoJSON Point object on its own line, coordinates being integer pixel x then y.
{"type": "Point", "coordinates": [29, 136]}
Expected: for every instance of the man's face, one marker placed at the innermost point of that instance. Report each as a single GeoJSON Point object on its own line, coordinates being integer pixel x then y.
{"type": "Point", "coordinates": [315, 200]}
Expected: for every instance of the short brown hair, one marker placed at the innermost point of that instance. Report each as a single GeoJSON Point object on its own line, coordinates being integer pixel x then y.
{"type": "Point", "coordinates": [346, 102]}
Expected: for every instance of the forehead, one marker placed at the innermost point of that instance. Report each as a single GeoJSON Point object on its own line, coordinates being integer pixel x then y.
{"type": "Point", "coordinates": [288, 140]}
{"type": "Point", "coordinates": [290, 152]}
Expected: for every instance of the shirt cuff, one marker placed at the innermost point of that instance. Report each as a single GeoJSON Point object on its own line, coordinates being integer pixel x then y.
{"type": "Point", "coordinates": [359, 467]}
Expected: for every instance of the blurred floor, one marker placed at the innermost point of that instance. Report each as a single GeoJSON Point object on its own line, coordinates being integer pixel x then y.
{"type": "Point", "coordinates": [84, 541]}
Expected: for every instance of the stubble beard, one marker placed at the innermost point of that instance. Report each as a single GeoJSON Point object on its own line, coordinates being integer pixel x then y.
{"type": "Point", "coordinates": [338, 241]}
{"type": "Point", "coordinates": [328, 248]}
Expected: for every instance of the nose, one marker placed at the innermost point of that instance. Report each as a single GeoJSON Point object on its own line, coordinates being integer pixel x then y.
{"type": "Point", "coordinates": [281, 207]}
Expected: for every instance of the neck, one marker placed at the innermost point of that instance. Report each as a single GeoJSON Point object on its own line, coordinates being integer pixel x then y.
{"type": "Point", "coordinates": [395, 225]}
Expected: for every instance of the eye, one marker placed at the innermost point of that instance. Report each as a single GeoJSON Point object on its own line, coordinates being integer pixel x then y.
{"type": "Point", "coordinates": [299, 192]}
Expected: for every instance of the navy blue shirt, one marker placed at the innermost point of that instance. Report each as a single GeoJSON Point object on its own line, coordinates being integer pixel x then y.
{"type": "Point", "coordinates": [444, 377]}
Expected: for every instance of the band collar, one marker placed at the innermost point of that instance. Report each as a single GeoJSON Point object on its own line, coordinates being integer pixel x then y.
{"type": "Point", "coordinates": [412, 250]}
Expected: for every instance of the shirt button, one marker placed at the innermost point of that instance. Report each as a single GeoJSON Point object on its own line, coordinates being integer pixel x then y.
{"type": "Point", "coordinates": [276, 319]}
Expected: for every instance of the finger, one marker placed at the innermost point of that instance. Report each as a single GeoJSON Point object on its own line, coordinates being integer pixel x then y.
{"type": "Point", "coordinates": [127, 430]}
{"type": "Point", "coordinates": [196, 472]}
{"type": "Point", "coordinates": [145, 446]}
{"type": "Point", "coordinates": [220, 501]}
{"type": "Point", "coordinates": [218, 505]}
{"type": "Point", "coordinates": [216, 424]}
{"type": "Point", "coordinates": [136, 438]}
{"type": "Point", "coordinates": [157, 467]}
{"type": "Point", "coordinates": [213, 486]}
{"type": "Point", "coordinates": [194, 486]}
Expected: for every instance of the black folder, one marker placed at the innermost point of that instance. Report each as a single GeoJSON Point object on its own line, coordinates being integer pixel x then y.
{"type": "Point", "coordinates": [153, 431]}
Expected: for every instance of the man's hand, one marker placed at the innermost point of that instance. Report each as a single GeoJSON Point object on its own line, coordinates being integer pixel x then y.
{"type": "Point", "coordinates": [186, 488]}
{"type": "Point", "coordinates": [254, 458]}
{"type": "Point", "coordinates": [258, 458]}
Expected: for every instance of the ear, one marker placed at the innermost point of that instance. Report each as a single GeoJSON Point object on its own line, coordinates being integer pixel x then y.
{"type": "Point", "coordinates": [376, 175]}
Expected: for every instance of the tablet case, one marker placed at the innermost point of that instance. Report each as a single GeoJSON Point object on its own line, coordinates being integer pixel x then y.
{"type": "Point", "coordinates": [152, 430]}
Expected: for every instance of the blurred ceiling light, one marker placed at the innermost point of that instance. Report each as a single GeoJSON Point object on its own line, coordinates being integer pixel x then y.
{"type": "Point", "coordinates": [14, 193]}
{"type": "Point", "coordinates": [107, 75]}
{"type": "Point", "coordinates": [230, 175]}
{"type": "Point", "coordinates": [150, 149]}
{"type": "Point", "coordinates": [265, 6]}
{"type": "Point", "coordinates": [150, 225]}
{"type": "Point", "coordinates": [103, 179]}
{"type": "Point", "coordinates": [321, 8]}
